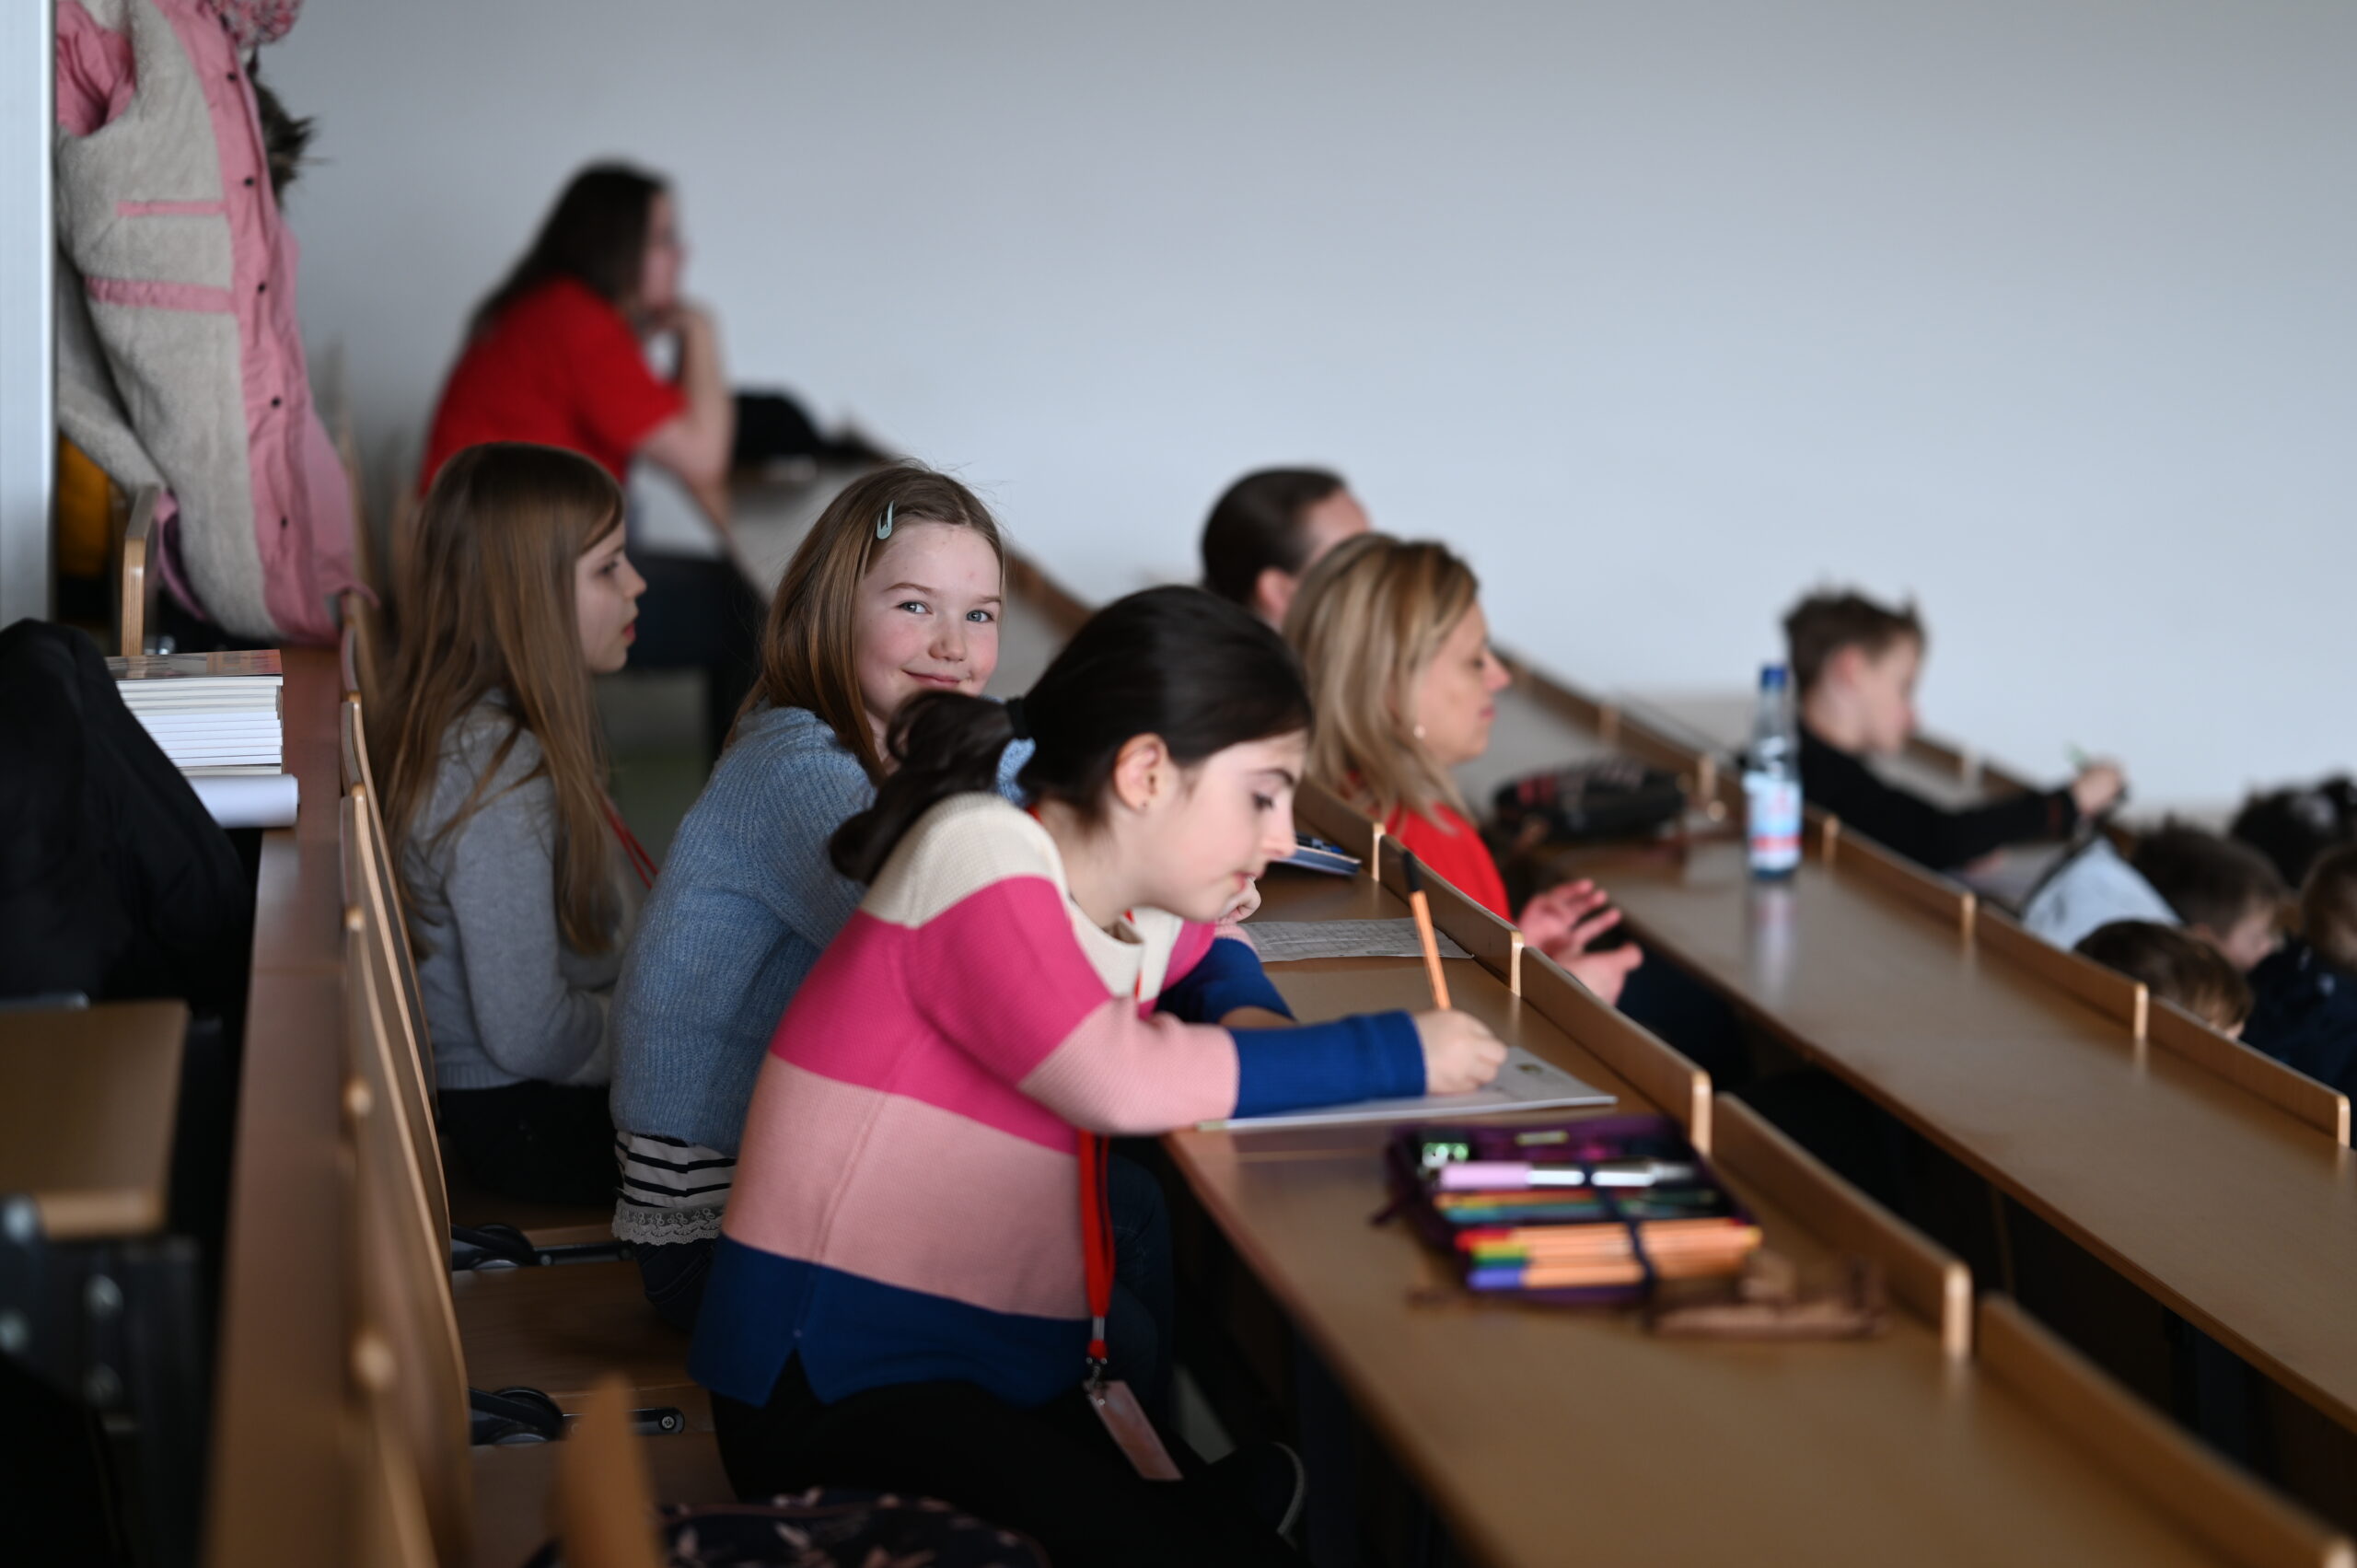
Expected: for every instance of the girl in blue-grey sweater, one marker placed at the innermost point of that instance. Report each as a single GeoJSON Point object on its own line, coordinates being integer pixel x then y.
{"type": "Point", "coordinates": [895, 591]}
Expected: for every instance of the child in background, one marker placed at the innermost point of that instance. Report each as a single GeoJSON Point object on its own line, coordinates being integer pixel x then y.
{"type": "Point", "coordinates": [1396, 650]}
{"type": "Point", "coordinates": [1854, 666]}
{"type": "Point", "coordinates": [2306, 991]}
{"type": "Point", "coordinates": [2227, 892]}
{"type": "Point", "coordinates": [898, 1300]}
{"type": "Point", "coordinates": [2176, 968]}
{"type": "Point", "coordinates": [867, 616]}
{"type": "Point", "coordinates": [522, 883]}
{"type": "Point", "coordinates": [1272, 526]}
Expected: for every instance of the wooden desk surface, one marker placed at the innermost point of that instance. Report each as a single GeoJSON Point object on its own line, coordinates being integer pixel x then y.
{"type": "Point", "coordinates": [2221, 1206]}
{"type": "Point", "coordinates": [278, 1409]}
{"type": "Point", "coordinates": [1548, 1435]}
{"type": "Point", "coordinates": [86, 1101]}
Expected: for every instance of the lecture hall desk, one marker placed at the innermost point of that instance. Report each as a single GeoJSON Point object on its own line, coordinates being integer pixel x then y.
{"type": "Point", "coordinates": [1548, 1436]}
{"type": "Point", "coordinates": [280, 1385]}
{"type": "Point", "coordinates": [2223, 1207]}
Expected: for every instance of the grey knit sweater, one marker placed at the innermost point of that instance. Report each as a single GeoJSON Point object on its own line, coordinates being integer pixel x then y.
{"type": "Point", "coordinates": [506, 998]}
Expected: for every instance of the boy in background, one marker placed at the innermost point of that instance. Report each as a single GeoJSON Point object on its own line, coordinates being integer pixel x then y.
{"type": "Point", "coordinates": [2226, 892]}
{"type": "Point", "coordinates": [2305, 1014]}
{"type": "Point", "coordinates": [2176, 968]}
{"type": "Point", "coordinates": [1854, 666]}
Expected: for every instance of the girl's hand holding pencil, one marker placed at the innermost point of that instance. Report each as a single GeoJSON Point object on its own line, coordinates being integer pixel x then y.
{"type": "Point", "coordinates": [1460, 1053]}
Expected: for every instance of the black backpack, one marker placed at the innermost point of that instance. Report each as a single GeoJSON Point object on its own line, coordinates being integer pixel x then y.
{"type": "Point", "coordinates": [1616, 799]}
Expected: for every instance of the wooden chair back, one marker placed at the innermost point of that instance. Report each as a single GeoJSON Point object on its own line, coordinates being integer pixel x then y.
{"type": "Point", "coordinates": [138, 578]}
{"type": "Point", "coordinates": [389, 1523]}
{"type": "Point", "coordinates": [604, 1498]}
{"type": "Point", "coordinates": [371, 888]}
{"type": "Point", "coordinates": [401, 1264]}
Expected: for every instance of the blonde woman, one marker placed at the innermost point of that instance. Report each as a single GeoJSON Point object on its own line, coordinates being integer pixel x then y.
{"type": "Point", "coordinates": [522, 882]}
{"type": "Point", "coordinates": [1397, 653]}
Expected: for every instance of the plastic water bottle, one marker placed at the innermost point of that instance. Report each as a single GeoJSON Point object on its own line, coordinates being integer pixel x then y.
{"type": "Point", "coordinates": [1772, 780]}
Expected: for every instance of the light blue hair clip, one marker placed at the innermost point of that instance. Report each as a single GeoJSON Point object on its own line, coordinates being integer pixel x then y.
{"type": "Point", "coordinates": [883, 523]}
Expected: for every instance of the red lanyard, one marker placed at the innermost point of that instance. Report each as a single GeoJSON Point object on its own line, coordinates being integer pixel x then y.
{"type": "Point", "coordinates": [639, 861]}
{"type": "Point", "coordinates": [1097, 1220]}
{"type": "Point", "coordinates": [1097, 1210]}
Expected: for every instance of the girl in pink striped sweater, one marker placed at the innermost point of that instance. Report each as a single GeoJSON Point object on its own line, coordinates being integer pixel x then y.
{"type": "Point", "coordinates": [898, 1300]}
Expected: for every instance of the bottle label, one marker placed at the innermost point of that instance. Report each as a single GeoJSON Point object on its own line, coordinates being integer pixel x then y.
{"type": "Point", "coordinates": [1772, 815]}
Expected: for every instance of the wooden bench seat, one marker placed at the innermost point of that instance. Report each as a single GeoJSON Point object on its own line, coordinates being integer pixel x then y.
{"type": "Point", "coordinates": [559, 1329]}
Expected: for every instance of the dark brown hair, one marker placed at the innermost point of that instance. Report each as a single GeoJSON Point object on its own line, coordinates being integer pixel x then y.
{"type": "Point", "coordinates": [1823, 624]}
{"type": "Point", "coordinates": [809, 654]}
{"type": "Point", "coordinates": [2174, 968]}
{"type": "Point", "coordinates": [1199, 672]}
{"type": "Point", "coordinates": [1256, 525]}
{"type": "Point", "coordinates": [595, 235]}
{"type": "Point", "coordinates": [2208, 880]}
{"type": "Point", "coordinates": [490, 607]}
{"type": "Point", "coordinates": [2329, 907]}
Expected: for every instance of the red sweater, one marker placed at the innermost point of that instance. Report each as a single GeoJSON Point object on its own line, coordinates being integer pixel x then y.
{"type": "Point", "coordinates": [1453, 850]}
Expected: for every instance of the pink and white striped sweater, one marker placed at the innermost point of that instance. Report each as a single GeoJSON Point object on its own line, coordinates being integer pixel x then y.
{"type": "Point", "coordinates": [906, 1197]}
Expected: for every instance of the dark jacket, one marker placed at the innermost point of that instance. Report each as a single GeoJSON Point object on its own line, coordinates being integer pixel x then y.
{"type": "Point", "coordinates": [2303, 1014]}
{"type": "Point", "coordinates": [1835, 781]}
{"type": "Point", "coordinates": [115, 881]}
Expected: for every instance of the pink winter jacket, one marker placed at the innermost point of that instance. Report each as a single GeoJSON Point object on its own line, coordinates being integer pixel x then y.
{"type": "Point", "coordinates": [180, 357]}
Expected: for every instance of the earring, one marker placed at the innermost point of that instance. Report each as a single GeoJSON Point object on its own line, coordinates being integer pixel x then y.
{"type": "Point", "coordinates": [1419, 732]}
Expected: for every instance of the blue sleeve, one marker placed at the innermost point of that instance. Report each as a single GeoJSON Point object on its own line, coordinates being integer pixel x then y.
{"type": "Point", "coordinates": [1227, 976]}
{"type": "Point", "coordinates": [1369, 1056]}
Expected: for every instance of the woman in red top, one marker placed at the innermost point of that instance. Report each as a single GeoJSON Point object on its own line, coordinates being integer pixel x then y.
{"type": "Point", "coordinates": [557, 355]}
{"type": "Point", "coordinates": [1397, 653]}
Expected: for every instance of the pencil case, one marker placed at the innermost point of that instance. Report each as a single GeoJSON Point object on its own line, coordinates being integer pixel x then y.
{"type": "Point", "coordinates": [1597, 1211]}
{"type": "Point", "coordinates": [1615, 798]}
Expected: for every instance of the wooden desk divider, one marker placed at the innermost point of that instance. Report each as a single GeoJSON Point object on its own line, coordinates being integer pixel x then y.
{"type": "Point", "coordinates": [2318, 1105]}
{"type": "Point", "coordinates": [2230, 1513]}
{"type": "Point", "coordinates": [1923, 1277]}
{"type": "Point", "coordinates": [1903, 880]}
{"type": "Point", "coordinates": [1062, 609]}
{"type": "Point", "coordinates": [388, 1525]}
{"type": "Point", "coordinates": [2107, 990]}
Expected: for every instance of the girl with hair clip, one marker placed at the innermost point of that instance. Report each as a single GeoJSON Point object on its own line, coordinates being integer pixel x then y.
{"type": "Point", "coordinates": [896, 590]}
{"type": "Point", "coordinates": [902, 1294]}
{"type": "Point", "coordinates": [1397, 653]}
{"type": "Point", "coordinates": [521, 881]}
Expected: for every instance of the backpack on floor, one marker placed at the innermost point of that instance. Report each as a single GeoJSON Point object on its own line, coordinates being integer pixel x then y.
{"type": "Point", "coordinates": [829, 1528]}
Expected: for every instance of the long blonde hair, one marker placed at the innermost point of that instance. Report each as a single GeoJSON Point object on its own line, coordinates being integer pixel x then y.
{"type": "Point", "coordinates": [1367, 621]}
{"type": "Point", "coordinates": [488, 606]}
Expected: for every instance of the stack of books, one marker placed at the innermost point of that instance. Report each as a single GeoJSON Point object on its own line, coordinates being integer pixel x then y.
{"type": "Point", "coordinates": [214, 714]}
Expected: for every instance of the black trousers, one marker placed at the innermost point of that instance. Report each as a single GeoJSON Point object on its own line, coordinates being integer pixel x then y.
{"type": "Point", "coordinates": [699, 614]}
{"type": "Point", "coordinates": [535, 1142]}
{"type": "Point", "coordinates": [1052, 1472]}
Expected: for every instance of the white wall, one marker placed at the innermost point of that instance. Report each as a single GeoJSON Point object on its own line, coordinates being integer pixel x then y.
{"type": "Point", "coordinates": [2042, 310]}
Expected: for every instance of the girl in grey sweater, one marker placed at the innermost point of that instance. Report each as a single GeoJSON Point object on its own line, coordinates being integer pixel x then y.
{"type": "Point", "coordinates": [522, 886]}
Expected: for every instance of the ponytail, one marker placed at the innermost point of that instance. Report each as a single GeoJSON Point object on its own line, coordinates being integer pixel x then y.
{"type": "Point", "coordinates": [942, 743]}
{"type": "Point", "coordinates": [1179, 663]}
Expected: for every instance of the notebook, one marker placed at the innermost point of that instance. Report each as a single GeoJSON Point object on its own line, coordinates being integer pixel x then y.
{"type": "Point", "coordinates": [1525, 1083]}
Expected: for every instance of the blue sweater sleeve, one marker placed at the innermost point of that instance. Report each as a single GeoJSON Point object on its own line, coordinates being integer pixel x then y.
{"type": "Point", "coordinates": [1369, 1056]}
{"type": "Point", "coordinates": [1227, 976]}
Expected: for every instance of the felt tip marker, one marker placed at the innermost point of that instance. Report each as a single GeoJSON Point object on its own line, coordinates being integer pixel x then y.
{"type": "Point", "coordinates": [1495, 1176]}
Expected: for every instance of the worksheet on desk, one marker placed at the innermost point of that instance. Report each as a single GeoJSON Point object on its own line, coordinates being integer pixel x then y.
{"type": "Point", "coordinates": [1525, 1083]}
{"type": "Point", "coordinates": [1290, 941]}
